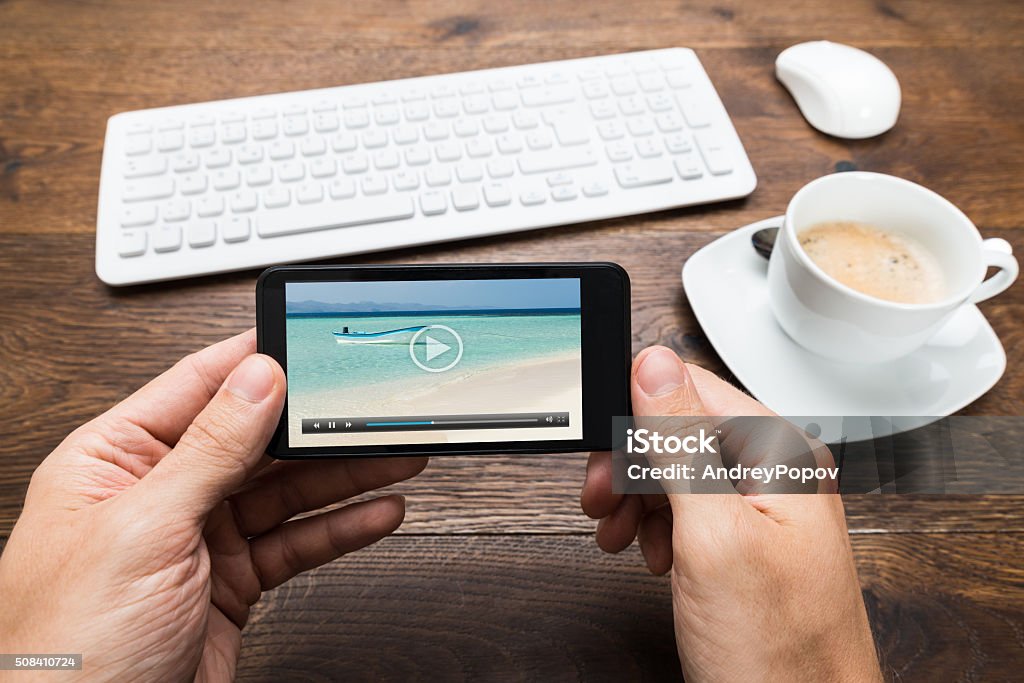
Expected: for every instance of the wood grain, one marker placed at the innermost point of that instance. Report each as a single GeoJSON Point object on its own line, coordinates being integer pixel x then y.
{"type": "Point", "coordinates": [556, 608]}
{"type": "Point", "coordinates": [495, 574]}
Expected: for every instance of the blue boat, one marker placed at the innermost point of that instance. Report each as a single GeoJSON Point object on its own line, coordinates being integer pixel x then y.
{"type": "Point", "coordinates": [402, 335]}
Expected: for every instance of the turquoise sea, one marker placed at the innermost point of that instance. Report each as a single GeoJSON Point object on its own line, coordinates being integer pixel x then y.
{"type": "Point", "coordinates": [316, 362]}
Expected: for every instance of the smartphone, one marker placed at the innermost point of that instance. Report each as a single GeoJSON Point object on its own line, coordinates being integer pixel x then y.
{"type": "Point", "coordinates": [447, 359]}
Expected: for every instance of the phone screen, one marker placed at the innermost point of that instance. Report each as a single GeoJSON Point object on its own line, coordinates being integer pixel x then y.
{"type": "Point", "coordinates": [433, 361]}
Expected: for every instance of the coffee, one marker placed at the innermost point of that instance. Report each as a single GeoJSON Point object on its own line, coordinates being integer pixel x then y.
{"type": "Point", "coordinates": [876, 262]}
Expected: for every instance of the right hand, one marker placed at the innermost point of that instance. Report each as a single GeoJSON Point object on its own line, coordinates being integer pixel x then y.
{"type": "Point", "coordinates": [764, 586]}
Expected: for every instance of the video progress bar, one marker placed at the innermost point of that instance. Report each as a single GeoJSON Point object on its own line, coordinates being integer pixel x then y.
{"type": "Point", "coordinates": [410, 423]}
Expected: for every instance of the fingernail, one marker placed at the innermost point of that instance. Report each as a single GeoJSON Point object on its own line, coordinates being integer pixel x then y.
{"type": "Point", "coordinates": [660, 372]}
{"type": "Point", "coordinates": [252, 380]}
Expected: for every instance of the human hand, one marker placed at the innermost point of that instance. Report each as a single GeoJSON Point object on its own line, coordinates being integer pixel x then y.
{"type": "Point", "coordinates": [764, 586]}
{"type": "Point", "coordinates": [149, 532]}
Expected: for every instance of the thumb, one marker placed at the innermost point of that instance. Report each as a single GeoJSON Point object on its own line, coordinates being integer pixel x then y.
{"type": "Point", "coordinates": [225, 442]}
{"type": "Point", "coordinates": [661, 388]}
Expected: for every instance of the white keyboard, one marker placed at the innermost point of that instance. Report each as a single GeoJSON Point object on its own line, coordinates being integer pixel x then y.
{"type": "Point", "coordinates": [244, 183]}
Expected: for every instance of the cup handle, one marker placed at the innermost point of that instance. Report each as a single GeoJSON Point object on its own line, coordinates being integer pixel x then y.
{"type": "Point", "coordinates": [996, 253]}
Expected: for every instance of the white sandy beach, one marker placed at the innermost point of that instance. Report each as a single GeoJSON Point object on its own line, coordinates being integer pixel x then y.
{"type": "Point", "coordinates": [534, 385]}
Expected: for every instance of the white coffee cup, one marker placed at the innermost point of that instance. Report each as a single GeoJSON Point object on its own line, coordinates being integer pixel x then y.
{"type": "Point", "coordinates": [838, 322]}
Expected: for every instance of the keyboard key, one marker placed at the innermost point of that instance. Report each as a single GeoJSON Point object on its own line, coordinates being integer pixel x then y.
{"type": "Point", "coordinates": [595, 189]}
{"type": "Point", "coordinates": [678, 78]}
{"type": "Point", "coordinates": [289, 172]}
{"type": "Point", "coordinates": [603, 110]}
{"type": "Point", "coordinates": [170, 142]}
{"type": "Point", "coordinates": [236, 229]}
{"type": "Point", "coordinates": [313, 147]}
{"type": "Point", "coordinates": [446, 109]}
{"type": "Point", "coordinates": [688, 166]}
{"type": "Point", "coordinates": [277, 197]}
{"type": "Point", "coordinates": [465, 198]}
{"type": "Point", "coordinates": [135, 145]}
{"type": "Point", "coordinates": [497, 194]}
{"type": "Point", "coordinates": [355, 163]}
{"type": "Point", "coordinates": [532, 198]}
{"type": "Point", "coordinates": [192, 183]}
{"type": "Point", "coordinates": [594, 90]}
{"type": "Point", "coordinates": [631, 105]}
{"type": "Point", "coordinates": [356, 119]}
{"type": "Point", "coordinates": [640, 126]}
{"type": "Point", "coordinates": [243, 201]}
{"type": "Point", "coordinates": [619, 151]}
{"type": "Point", "coordinates": [150, 188]}
{"type": "Point", "coordinates": [374, 139]}
{"type": "Point", "coordinates": [131, 243]}
{"type": "Point", "coordinates": [695, 113]}
{"type": "Point", "coordinates": [478, 148]}
{"type": "Point", "coordinates": [669, 123]}
{"type": "Point", "coordinates": [202, 136]}
{"type": "Point", "coordinates": [183, 162]}
{"type": "Point", "coordinates": [570, 132]}
{"type": "Point", "coordinates": [387, 115]}
{"type": "Point", "coordinates": [433, 203]}
{"type": "Point", "coordinates": [564, 193]}
{"type": "Point", "coordinates": [257, 176]}
{"type": "Point", "coordinates": [469, 172]}
{"type": "Point", "coordinates": [167, 238]}
{"type": "Point", "coordinates": [505, 101]}
{"type": "Point", "coordinates": [282, 149]}
{"type": "Point", "coordinates": [138, 215]}
{"type": "Point", "coordinates": [210, 206]}
{"type": "Point", "coordinates": [525, 120]}
{"type": "Point", "coordinates": [325, 123]}
{"type": "Point", "coordinates": [264, 129]}
{"type": "Point", "coordinates": [557, 160]}
{"type": "Point", "coordinates": [448, 151]}
{"type": "Point", "coordinates": [510, 143]}
{"type": "Point", "coordinates": [201, 234]}
{"type": "Point", "coordinates": [438, 176]}
{"type": "Point", "coordinates": [660, 103]}
{"type": "Point", "coordinates": [325, 106]}
{"type": "Point", "coordinates": [643, 173]}
{"type": "Point", "coordinates": [500, 168]}
{"type": "Point", "coordinates": [560, 178]}
{"type": "Point", "coordinates": [542, 97]}
{"type": "Point", "coordinates": [323, 168]}
{"type": "Point", "coordinates": [678, 143]}
{"type": "Point", "coordinates": [226, 179]}
{"type": "Point", "coordinates": [386, 159]}
{"type": "Point", "coordinates": [715, 153]}
{"type": "Point", "coordinates": [435, 130]}
{"type": "Point", "coordinates": [417, 156]}
{"type": "Point", "coordinates": [329, 215]}
{"type": "Point", "coordinates": [170, 124]}
{"type": "Point", "coordinates": [374, 184]}
{"type": "Point", "coordinates": [404, 135]}
{"type": "Point", "coordinates": [539, 139]}
{"type": "Point", "coordinates": [344, 142]}
{"type": "Point", "coordinates": [418, 111]}
{"type": "Point", "coordinates": [651, 82]}
{"type": "Point", "coordinates": [176, 210]}
{"type": "Point", "coordinates": [465, 128]}
{"type": "Point", "coordinates": [342, 188]}
{"type": "Point", "coordinates": [217, 158]}
{"type": "Point", "coordinates": [310, 193]}
{"type": "Point", "coordinates": [405, 180]}
{"type": "Point", "coordinates": [623, 86]}
{"type": "Point", "coordinates": [145, 166]}
{"type": "Point", "coordinates": [495, 123]}
{"type": "Point", "coordinates": [249, 154]}
{"type": "Point", "coordinates": [476, 104]}
{"type": "Point", "coordinates": [648, 148]}
{"type": "Point", "coordinates": [233, 133]}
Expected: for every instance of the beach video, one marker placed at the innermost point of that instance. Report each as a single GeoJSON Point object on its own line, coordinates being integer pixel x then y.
{"type": "Point", "coordinates": [433, 361]}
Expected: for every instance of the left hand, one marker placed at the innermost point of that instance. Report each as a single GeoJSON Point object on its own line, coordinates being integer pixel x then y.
{"type": "Point", "coordinates": [149, 532]}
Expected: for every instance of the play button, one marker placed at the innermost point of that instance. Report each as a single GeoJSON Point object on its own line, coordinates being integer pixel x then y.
{"type": "Point", "coordinates": [436, 348]}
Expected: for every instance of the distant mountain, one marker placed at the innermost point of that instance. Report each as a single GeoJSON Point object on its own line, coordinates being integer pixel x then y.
{"type": "Point", "coordinates": [310, 306]}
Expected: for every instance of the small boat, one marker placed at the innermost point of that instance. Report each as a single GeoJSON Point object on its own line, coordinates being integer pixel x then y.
{"type": "Point", "coordinates": [402, 335]}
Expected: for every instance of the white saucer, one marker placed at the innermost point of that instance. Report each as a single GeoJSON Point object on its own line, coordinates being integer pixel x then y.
{"type": "Point", "coordinates": [725, 283]}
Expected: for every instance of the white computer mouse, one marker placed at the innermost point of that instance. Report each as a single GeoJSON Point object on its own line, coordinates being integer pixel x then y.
{"type": "Point", "coordinates": [840, 90]}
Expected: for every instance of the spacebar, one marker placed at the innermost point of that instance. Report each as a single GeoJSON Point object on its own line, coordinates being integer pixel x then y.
{"type": "Point", "coordinates": [334, 215]}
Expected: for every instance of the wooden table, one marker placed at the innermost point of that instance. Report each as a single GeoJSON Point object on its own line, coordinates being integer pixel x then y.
{"type": "Point", "coordinates": [495, 573]}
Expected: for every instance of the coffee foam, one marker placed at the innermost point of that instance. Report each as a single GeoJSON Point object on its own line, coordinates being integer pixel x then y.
{"type": "Point", "coordinates": [883, 264]}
